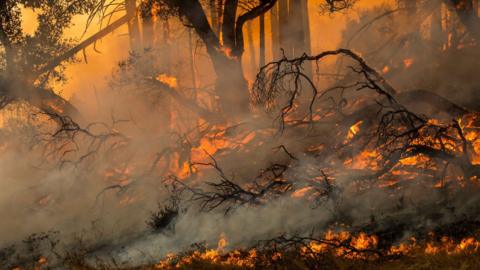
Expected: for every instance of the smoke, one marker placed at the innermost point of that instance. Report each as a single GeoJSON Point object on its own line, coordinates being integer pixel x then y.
{"type": "Point", "coordinates": [97, 189]}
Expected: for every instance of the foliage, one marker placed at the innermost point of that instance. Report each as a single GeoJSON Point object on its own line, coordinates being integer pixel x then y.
{"type": "Point", "coordinates": [24, 54]}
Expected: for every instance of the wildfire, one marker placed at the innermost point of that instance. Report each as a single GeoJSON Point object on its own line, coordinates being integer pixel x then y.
{"type": "Point", "coordinates": [407, 63]}
{"type": "Point", "coordinates": [340, 244]}
{"type": "Point", "coordinates": [386, 69]}
{"type": "Point", "coordinates": [354, 130]}
{"type": "Point", "coordinates": [228, 52]}
{"type": "Point", "coordinates": [168, 80]}
{"type": "Point", "coordinates": [412, 161]}
{"type": "Point", "coordinates": [222, 242]}
{"type": "Point", "coordinates": [366, 159]}
{"type": "Point", "coordinates": [301, 192]}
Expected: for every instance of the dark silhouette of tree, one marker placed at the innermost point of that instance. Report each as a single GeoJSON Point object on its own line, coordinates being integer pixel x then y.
{"type": "Point", "coordinates": [468, 15]}
{"type": "Point", "coordinates": [26, 69]}
{"type": "Point", "coordinates": [225, 49]}
{"type": "Point", "coordinates": [226, 46]}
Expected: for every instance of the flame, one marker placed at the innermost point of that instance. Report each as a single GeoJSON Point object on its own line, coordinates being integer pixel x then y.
{"type": "Point", "coordinates": [354, 130]}
{"type": "Point", "coordinates": [364, 241]}
{"type": "Point", "coordinates": [199, 153]}
{"type": "Point", "coordinates": [407, 63]}
{"type": "Point", "coordinates": [386, 69]}
{"type": "Point", "coordinates": [414, 160]}
{"type": "Point", "coordinates": [222, 242]}
{"type": "Point", "coordinates": [228, 52]}
{"type": "Point", "coordinates": [168, 80]}
{"type": "Point", "coordinates": [366, 159]}
{"type": "Point", "coordinates": [341, 244]}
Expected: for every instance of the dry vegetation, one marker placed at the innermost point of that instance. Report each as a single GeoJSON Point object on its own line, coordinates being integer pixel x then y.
{"type": "Point", "coordinates": [354, 158]}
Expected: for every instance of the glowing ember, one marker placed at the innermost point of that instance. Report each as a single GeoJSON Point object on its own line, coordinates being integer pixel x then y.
{"type": "Point", "coordinates": [386, 69]}
{"type": "Point", "coordinates": [407, 63]}
{"type": "Point", "coordinates": [301, 192]}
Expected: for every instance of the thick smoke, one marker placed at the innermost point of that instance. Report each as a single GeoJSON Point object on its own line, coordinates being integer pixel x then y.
{"type": "Point", "coordinates": [94, 192]}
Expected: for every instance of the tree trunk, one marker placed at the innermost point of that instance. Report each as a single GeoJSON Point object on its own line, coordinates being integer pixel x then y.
{"type": "Point", "coordinates": [251, 48]}
{"type": "Point", "coordinates": [231, 86]}
{"type": "Point", "coordinates": [133, 25]}
{"type": "Point", "coordinates": [296, 27]}
{"type": "Point", "coordinates": [147, 23]}
{"type": "Point", "coordinates": [468, 15]}
{"type": "Point", "coordinates": [214, 16]}
{"type": "Point", "coordinates": [284, 28]}
{"type": "Point", "coordinates": [437, 35]}
{"type": "Point", "coordinates": [166, 44]}
{"type": "Point", "coordinates": [192, 63]}
{"type": "Point", "coordinates": [228, 25]}
{"type": "Point", "coordinates": [307, 31]}
{"type": "Point", "coordinates": [275, 26]}
{"type": "Point", "coordinates": [262, 41]}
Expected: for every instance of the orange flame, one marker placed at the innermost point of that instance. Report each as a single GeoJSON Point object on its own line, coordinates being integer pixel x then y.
{"type": "Point", "coordinates": [386, 69]}
{"type": "Point", "coordinates": [168, 80]}
{"type": "Point", "coordinates": [408, 62]}
{"type": "Point", "coordinates": [354, 130]}
{"type": "Point", "coordinates": [222, 242]}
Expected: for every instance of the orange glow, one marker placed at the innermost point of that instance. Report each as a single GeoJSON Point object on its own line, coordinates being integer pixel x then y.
{"type": "Point", "coordinates": [222, 242]}
{"type": "Point", "coordinates": [386, 69]}
{"type": "Point", "coordinates": [366, 159]}
{"type": "Point", "coordinates": [415, 160]}
{"type": "Point", "coordinates": [342, 244]}
{"type": "Point", "coordinates": [168, 80]}
{"type": "Point", "coordinates": [301, 192]}
{"type": "Point", "coordinates": [407, 63]}
{"type": "Point", "coordinates": [354, 130]}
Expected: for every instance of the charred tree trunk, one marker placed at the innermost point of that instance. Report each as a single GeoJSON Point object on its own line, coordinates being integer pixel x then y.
{"type": "Point", "coordinates": [166, 44]}
{"type": "Point", "coordinates": [214, 15]}
{"type": "Point", "coordinates": [231, 86]}
{"type": "Point", "coordinates": [147, 23]}
{"type": "Point", "coordinates": [133, 25]}
{"type": "Point", "coordinates": [228, 25]}
{"type": "Point", "coordinates": [192, 63]}
{"type": "Point", "coordinates": [294, 27]}
{"type": "Point", "coordinates": [298, 16]}
{"type": "Point", "coordinates": [437, 35]}
{"type": "Point", "coordinates": [468, 15]}
{"type": "Point", "coordinates": [284, 28]}
{"type": "Point", "coordinates": [251, 48]}
{"type": "Point", "coordinates": [262, 59]}
{"type": "Point", "coordinates": [300, 27]}
{"type": "Point", "coordinates": [275, 28]}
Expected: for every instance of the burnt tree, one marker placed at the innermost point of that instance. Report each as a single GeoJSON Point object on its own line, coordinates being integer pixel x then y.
{"type": "Point", "coordinates": [468, 15]}
{"type": "Point", "coordinates": [147, 23]}
{"type": "Point", "coordinates": [133, 25]}
{"type": "Point", "coordinates": [225, 53]}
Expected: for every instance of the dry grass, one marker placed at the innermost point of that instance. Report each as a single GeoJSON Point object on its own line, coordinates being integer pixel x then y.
{"type": "Point", "coordinates": [413, 262]}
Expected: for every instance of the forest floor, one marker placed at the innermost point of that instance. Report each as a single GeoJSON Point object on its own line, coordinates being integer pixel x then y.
{"type": "Point", "coordinates": [411, 262]}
